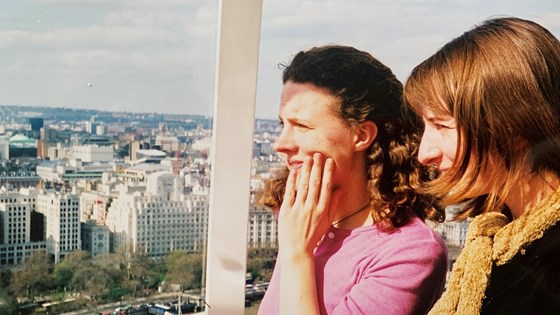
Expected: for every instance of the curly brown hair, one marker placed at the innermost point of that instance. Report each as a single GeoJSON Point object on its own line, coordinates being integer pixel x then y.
{"type": "Point", "coordinates": [368, 90]}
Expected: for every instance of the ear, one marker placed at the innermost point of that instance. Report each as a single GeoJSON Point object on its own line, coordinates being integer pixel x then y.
{"type": "Point", "coordinates": [365, 134]}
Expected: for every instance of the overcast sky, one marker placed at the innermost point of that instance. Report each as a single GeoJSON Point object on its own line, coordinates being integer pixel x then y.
{"type": "Point", "coordinates": [159, 55]}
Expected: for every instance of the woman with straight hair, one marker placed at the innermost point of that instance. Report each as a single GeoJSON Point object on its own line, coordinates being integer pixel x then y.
{"type": "Point", "coordinates": [352, 237]}
{"type": "Point", "coordinates": [490, 102]}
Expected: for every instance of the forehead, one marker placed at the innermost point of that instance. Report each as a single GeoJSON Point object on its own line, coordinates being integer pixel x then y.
{"type": "Point", "coordinates": [434, 107]}
{"type": "Point", "coordinates": [435, 113]}
{"type": "Point", "coordinates": [305, 98]}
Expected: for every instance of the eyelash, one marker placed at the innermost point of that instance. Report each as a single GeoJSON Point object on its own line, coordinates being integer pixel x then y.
{"type": "Point", "coordinates": [298, 125]}
{"type": "Point", "coordinates": [440, 126]}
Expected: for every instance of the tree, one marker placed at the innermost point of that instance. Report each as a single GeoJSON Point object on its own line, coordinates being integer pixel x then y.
{"type": "Point", "coordinates": [261, 261]}
{"type": "Point", "coordinates": [143, 271]}
{"type": "Point", "coordinates": [64, 271]}
{"type": "Point", "coordinates": [5, 277]}
{"type": "Point", "coordinates": [113, 264]}
{"type": "Point", "coordinates": [35, 276]}
{"type": "Point", "coordinates": [185, 269]}
{"type": "Point", "coordinates": [8, 304]}
{"type": "Point", "coordinates": [62, 277]}
{"type": "Point", "coordinates": [91, 280]}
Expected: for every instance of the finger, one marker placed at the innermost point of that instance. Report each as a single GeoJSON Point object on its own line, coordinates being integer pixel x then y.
{"type": "Point", "coordinates": [326, 185]}
{"type": "Point", "coordinates": [315, 180]}
{"type": "Point", "coordinates": [303, 181]}
{"type": "Point", "coordinates": [290, 190]}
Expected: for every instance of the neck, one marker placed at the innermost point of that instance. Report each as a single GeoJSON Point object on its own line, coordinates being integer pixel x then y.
{"type": "Point", "coordinates": [354, 194]}
{"type": "Point", "coordinates": [352, 209]}
{"type": "Point", "coordinates": [527, 194]}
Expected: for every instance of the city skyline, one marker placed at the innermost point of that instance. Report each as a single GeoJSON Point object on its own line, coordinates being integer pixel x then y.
{"type": "Point", "coordinates": [148, 56]}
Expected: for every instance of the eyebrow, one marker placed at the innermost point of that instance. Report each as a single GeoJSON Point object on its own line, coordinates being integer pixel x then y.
{"type": "Point", "coordinates": [293, 119]}
{"type": "Point", "coordinates": [436, 117]}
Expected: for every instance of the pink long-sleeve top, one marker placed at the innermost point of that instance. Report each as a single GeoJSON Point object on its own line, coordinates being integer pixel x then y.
{"type": "Point", "coordinates": [368, 271]}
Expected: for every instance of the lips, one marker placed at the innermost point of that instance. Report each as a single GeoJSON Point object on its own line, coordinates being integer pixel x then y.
{"type": "Point", "coordinates": [294, 165]}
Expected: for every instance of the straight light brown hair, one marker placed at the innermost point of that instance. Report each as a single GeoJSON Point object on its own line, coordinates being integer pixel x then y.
{"type": "Point", "coordinates": [500, 81]}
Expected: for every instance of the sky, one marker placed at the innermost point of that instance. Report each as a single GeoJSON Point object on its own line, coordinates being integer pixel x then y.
{"type": "Point", "coordinates": [158, 56]}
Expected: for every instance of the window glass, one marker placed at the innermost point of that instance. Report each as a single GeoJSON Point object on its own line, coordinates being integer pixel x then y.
{"type": "Point", "coordinates": [399, 33]}
{"type": "Point", "coordinates": [116, 98]}
{"type": "Point", "coordinates": [106, 122]}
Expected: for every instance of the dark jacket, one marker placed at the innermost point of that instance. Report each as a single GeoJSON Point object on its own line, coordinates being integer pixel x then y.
{"type": "Point", "coordinates": [530, 282]}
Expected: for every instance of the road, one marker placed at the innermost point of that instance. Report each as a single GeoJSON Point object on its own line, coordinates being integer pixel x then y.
{"type": "Point", "coordinates": [159, 298]}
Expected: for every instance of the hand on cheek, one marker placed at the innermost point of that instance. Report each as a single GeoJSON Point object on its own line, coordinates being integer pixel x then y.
{"type": "Point", "coordinates": [306, 216]}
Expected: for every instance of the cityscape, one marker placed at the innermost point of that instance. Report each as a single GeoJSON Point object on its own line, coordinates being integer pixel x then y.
{"type": "Point", "coordinates": [99, 183]}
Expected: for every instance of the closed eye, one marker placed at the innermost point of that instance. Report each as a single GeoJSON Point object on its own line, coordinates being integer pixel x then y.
{"type": "Point", "coordinates": [301, 126]}
{"type": "Point", "coordinates": [439, 124]}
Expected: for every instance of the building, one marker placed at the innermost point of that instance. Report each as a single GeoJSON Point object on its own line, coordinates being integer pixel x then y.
{"type": "Point", "coordinates": [101, 130]}
{"type": "Point", "coordinates": [263, 228]}
{"type": "Point", "coordinates": [94, 206]}
{"type": "Point", "coordinates": [93, 153]}
{"type": "Point", "coordinates": [150, 155]}
{"type": "Point", "coordinates": [95, 238]}
{"type": "Point", "coordinates": [22, 146]}
{"type": "Point", "coordinates": [140, 171]}
{"type": "Point", "coordinates": [62, 223]}
{"type": "Point", "coordinates": [160, 220]}
{"type": "Point", "coordinates": [4, 149]}
{"type": "Point", "coordinates": [36, 125]}
{"type": "Point", "coordinates": [71, 171]}
{"type": "Point", "coordinates": [55, 151]}
{"type": "Point", "coordinates": [21, 228]}
{"type": "Point", "coordinates": [167, 143]}
{"type": "Point", "coordinates": [49, 134]}
{"type": "Point", "coordinates": [14, 180]}
{"type": "Point", "coordinates": [16, 222]}
{"type": "Point", "coordinates": [453, 232]}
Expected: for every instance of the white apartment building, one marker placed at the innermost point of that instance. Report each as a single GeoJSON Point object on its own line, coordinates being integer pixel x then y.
{"type": "Point", "coordinates": [56, 151]}
{"type": "Point", "coordinates": [16, 222]}
{"type": "Point", "coordinates": [93, 206]}
{"type": "Point", "coordinates": [263, 228]}
{"type": "Point", "coordinates": [62, 228]}
{"type": "Point", "coordinates": [168, 143]}
{"type": "Point", "coordinates": [93, 153]}
{"type": "Point", "coordinates": [71, 171]}
{"type": "Point", "coordinates": [161, 220]}
{"type": "Point", "coordinates": [453, 232]}
{"type": "Point", "coordinates": [4, 149]}
{"type": "Point", "coordinates": [16, 241]}
{"type": "Point", "coordinates": [24, 195]}
{"type": "Point", "coordinates": [100, 130]}
{"type": "Point", "coordinates": [139, 172]}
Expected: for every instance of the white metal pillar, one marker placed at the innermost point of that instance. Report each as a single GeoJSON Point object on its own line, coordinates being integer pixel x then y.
{"type": "Point", "coordinates": [234, 113]}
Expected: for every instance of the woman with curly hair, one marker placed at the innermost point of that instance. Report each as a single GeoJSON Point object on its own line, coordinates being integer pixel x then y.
{"type": "Point", "coordinates": [351, 234]}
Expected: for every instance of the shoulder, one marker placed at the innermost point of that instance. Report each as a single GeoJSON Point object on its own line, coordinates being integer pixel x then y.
{"type": "Point", "coordinates": [415, 242]}
{"type": "Point", "coordinates": [417, 232]}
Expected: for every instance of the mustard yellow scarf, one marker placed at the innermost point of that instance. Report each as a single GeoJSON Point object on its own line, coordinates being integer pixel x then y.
{"type": "Point", "coordinates": [491, 238]}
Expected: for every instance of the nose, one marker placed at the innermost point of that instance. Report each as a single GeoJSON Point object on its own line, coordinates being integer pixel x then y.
{"type": "Point", "coordinates": [429, 151]}
{"type": "Point", "coordinates": [285, 142]}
